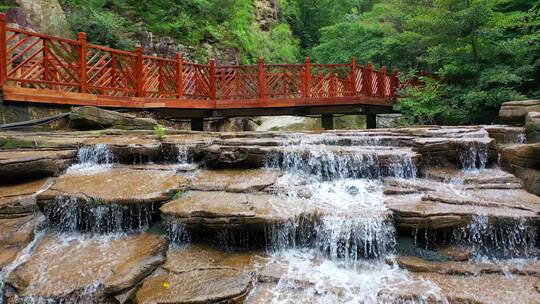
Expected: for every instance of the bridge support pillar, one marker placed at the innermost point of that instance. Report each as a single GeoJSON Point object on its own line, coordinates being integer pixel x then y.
{"type": "Point", "coordinates": [328, 121]}
{"type": "Point", "coordinates": [371, 121]}
{"type": "Point", "coordinates": [197, 124]}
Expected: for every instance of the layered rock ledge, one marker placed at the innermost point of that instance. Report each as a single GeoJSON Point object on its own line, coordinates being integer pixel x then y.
{"type": "Point", "coordinates": [100, 268]}
{"type": "Point", "coordinates": [29, 164]}
{"type": "Point", "coordinates": [108, 199]}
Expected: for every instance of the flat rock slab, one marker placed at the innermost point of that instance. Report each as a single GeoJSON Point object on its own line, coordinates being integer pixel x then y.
{"type": "Point", "coordinates": [108, 199]}
{"type": "Point", "coordinates": [529, 267]}
{"type": "Point", "coordinates": [116, 186]}
{"type": "Point", "coordinates": [204, 257]}
{"type": "Point", "coordinates": [233, 180]}
{"type": "Point", "coordinates": [515, 111]}
{"type": "Point", "coordinates": [196, 286]}
{"type": "Point", "coordinates": [15, 234]}
{"type": "Point", "coordinates": [19, 199]}
{"type": "Point", "coordinates": [485, 289]}
{"type": "Point", "coordinates": [80, 269]}
{"type": "Point", "coordinates": [32, 164]}
{"type": "Point", "coordinates": [217, 209]}
{"type": "Point", "coordinates": [429, 204]}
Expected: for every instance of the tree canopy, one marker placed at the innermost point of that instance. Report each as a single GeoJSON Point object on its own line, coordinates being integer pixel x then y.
{"type": "Point", "coordinates": [476, 53]}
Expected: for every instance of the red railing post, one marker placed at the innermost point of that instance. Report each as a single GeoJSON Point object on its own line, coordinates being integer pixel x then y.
{"type": "Point", "coordinates": [368, 79]}
{"type": "Point", "coordinates": [353, 76]}
{"type": "Point", "coordinates": [262, 79]}
{"type": "Point", "coordinates": [307, 78]}
{"type": "Point", "coordinates": [212, 84]}
{"type": "Point", "coordinates": [45, 60]}
{"type": "Point", "coordinates": [394, 83]}
{"type": "Point", "coordinates": [179, 75]}
{"type": "Point", "coordinates": [139, 71]}
{"type": "Point", "coordinates": [381, 81]}
{"type": "Point", "coordinates": [3, 50]}
{"type": "Point", "coordinates": [82, 64]}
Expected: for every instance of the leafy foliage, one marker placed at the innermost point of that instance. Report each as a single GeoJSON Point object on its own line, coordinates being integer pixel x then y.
{"type": "Point", "coordinates": [480, 53]}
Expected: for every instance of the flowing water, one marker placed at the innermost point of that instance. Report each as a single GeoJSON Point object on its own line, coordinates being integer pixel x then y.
{"type": "Point", "coordinates": [344, 259]}
{"type": "Point", "coordinates": [342, 248]}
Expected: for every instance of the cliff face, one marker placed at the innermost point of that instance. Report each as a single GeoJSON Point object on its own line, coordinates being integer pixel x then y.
{"type": "Point", "coordinates": [44, 16]}
{"type": "Point", "coordinates": [267, 13]}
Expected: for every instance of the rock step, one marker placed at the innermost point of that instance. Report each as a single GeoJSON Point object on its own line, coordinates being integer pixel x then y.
{"type": "Point", "coordinates": [70, 269]}
{"type": "Point", "coordinates": [108, 199]}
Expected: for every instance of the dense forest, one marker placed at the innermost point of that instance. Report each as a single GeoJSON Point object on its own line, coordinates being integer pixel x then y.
{"type": "Point", "coordinates": [475, 54]}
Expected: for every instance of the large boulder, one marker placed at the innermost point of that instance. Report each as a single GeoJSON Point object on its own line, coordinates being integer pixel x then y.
{"type": "Point", "coordinates": [32, 164]}
{"type": "Point", "coordinates": [96, 118]}
{"type": "Point", "coordinates": [85, 269]}
{"type": "Point", "coordinates": [514, 112]}
{"type": "Point", "coordinates": [532, 125]}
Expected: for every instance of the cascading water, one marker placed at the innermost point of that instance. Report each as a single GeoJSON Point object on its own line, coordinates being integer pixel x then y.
{"type": "Point", "coordinates": [474, 156]}
{"type": "Point", "coordinates": [92, 158]}
{"type": "Point", "coordinates": [70, 214]}
{"type": "Point", "coordinates": [344, 245]}
{"type": "Point", "coordinates": [502, 240]}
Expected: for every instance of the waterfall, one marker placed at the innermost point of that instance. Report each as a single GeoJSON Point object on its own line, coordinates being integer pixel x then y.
{"type": "Point", "coordinates": [92, 159]}
{"type": "Point", "coordinates": [473, 156]}
{"type": "Point", "coordinates": [70, 214]}
{"type": "Point", "coordinates": [504, 239]}
{"type": "Point", "coordinates": [347, 190]}
{"type": "Point", "coordinates": [184, 155]}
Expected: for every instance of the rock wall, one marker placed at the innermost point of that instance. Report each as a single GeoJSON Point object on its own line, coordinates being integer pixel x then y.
{"type": "Point", "coordinates": [43, 16]}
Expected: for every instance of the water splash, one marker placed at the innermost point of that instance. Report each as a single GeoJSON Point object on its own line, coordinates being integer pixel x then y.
{"type": "Point", "coordinates": [92, 159]}
{"type": "Point", "coordinates": [474, 155]}
{"type": "Point", "coordinates": [307, 278]}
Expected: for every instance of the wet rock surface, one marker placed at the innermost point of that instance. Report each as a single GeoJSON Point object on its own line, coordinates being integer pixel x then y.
{"type": "Point", "coordinates": [15, 234]}
{"type": "Point", "coordinates": [524, 162]}
{"type": "Point", "coordinates": [115, 186]}
{"type": "Point", "coordinates": [402, 215]}
{"type": "Point", "coordinates": [199, 274]}
{"type": "Point", "coordinates": [437, 203]}
{"type": "Point", "coordinates": [26, 164]}
{"type": "Point", "coordinates": [99, 267]}
{"type": "Point", "coordinates": [19, 199]}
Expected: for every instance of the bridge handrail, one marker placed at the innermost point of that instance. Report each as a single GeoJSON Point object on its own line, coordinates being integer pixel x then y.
{"type": "Point", "coordinates": [40, 61]}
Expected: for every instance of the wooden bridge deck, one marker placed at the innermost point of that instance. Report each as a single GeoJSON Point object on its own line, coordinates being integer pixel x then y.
{"type": "Point", "coordinates": [38, 68]}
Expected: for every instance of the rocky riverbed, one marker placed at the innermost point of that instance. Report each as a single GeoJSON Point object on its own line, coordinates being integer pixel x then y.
{"type": "Point", "coordinates": [407, 215]}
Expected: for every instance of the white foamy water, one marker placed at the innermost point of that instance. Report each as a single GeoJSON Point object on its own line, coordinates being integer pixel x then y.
{"type": "Point", "coordinates": [92, 159]}
{"type": "Point", "coordinates": [309, 279]}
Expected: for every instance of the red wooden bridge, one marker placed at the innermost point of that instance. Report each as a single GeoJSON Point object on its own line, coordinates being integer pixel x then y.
{"type": "Point", "coordinates": [40, 68]}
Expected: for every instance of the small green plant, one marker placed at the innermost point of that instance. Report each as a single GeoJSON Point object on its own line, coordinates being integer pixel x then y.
{"type": "Point", "coordinates": [98, 133]}
{"type": "Point", "coordinates": [159, 132]}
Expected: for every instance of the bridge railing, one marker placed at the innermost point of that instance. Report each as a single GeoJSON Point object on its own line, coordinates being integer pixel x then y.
{"type": "Point", "coordinates": [38, 61]}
